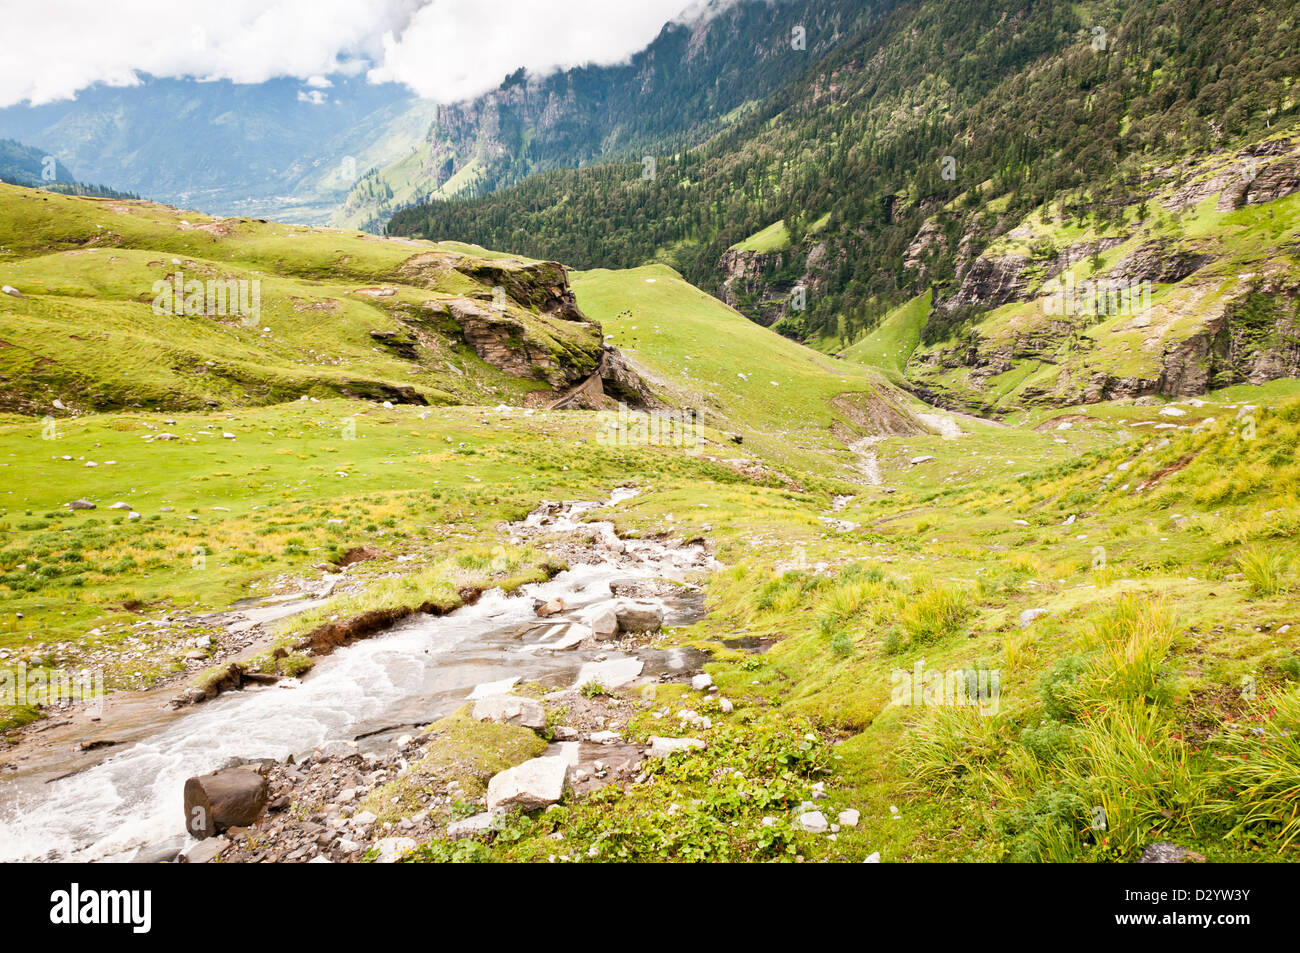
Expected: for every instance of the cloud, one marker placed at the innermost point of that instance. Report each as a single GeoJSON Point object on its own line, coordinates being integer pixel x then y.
{"type": "Point", "coordinates": [442, 49]}
{"type": "Point", "coordinates": [453, 50]}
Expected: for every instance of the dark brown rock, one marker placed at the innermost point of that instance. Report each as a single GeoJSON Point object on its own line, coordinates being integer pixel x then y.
{"type": "Point", "coordinates": [221, 800]}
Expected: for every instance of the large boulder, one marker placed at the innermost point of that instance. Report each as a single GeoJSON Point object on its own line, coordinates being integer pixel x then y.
{"type": "Point", "coordinates": [510, 710]}
{"type": "Point", "coordinates": [529, 786]}
{"type": "Point", "coordinates": [639, 616]}
{"type": "Point", "coordinates": [221, 800]}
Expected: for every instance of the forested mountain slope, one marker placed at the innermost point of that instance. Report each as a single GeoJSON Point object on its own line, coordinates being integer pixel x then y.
{"type": "Point", "coordinates": [884, 172]}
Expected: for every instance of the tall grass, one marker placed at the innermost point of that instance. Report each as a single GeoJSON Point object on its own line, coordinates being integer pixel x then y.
{"type": "Point", "coordinates": [1263, 570]}
{"type": "Point", "coordinates": [1131, 643]}
{"type": "Point", "coordinates": [1258, 762]}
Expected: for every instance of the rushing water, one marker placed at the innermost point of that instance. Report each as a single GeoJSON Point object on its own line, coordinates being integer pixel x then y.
{"type": "Point", "coordinates": [128, 806]}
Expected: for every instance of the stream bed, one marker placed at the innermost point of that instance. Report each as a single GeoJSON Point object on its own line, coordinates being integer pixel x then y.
{"type": "Point", "coordinates": [123, 803]}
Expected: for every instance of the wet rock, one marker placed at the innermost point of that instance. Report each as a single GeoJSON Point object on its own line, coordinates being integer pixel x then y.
{"type": "Point", "coordinates": [204, 851]}
{"type": "Point", "coordinates": [215, 802]}
{"type": "Point", "coordinates": [636, 617]}
{"type": "Point", "coordinates": [614, 673]}
{"type": "Point", "coordinates": [548, 609]}
{"type": "Point", "coordinates": [602, 619]}
{"type": "Point", "coordinates": [510, 710]}
{"type": "Point", "coordinates": [529, 786]}
{"type": "Point", "coordinates": [1164, 852]}
{"type": "Point", "coordinates": [499, 687]}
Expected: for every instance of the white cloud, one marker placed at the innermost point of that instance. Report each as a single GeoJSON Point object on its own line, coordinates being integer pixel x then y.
{"type": "Point", "coordinates": [455, 49]}
{"type": "Point", "coordinates": [442, 49]}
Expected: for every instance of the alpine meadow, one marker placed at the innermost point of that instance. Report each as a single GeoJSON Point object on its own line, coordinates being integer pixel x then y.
{"type": "Point", "coordinates": [769, 430]}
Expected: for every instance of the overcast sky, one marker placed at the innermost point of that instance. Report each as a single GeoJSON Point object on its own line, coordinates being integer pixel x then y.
{"type": "Point", "coordinates": [442, 49]}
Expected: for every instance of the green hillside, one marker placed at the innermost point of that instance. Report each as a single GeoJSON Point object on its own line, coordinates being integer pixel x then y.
{"type": "Point", "coordinates": [340, 313]}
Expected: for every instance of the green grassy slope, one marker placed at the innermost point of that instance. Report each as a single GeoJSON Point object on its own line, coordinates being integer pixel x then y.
{"type": "Point", "coordinates": [891, 344]}
{"type": "Point", "coordinates": [786, 399]}
{"type": "Point", "coordinates": [85, 331]}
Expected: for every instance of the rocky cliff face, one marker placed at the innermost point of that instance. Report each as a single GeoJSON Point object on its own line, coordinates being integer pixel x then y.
{"type": "Point", "coordinates": [746, 285]}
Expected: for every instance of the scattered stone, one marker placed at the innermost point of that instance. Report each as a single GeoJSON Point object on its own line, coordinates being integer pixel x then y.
{"type": "Point", "coordinates": [873, 859]}
{"type": "Point", "coordinates": [529, 786]}
{"type": "Point", "coordinates": [336, 749]}
{"type": "Point", "coordinates": [469, 826]}
{"type": "Point", "coordinates": [923, 459]}
{"type": "Point", "coordinates": [392, 848]}
{"type": "Point", "coordinates": [726, 705]}
{"type": "Point", "coordinates": [81, 505]}
{"type": "Point", "coordinates": [1029, 615]}
{"type": "Point", "coordinates": [663, 747]}
{"type": "Point", "coordinates": [702, 682]}
{"type": "Point", "coordinates": [848, 818]}
{"type": "Point", "coordinates": [813, 821]}
{"type": "Point", "coordinates": [204, 851]}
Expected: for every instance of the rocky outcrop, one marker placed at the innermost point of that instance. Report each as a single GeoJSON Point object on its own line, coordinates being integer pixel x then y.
{"type": "Point", "coordinates": [747, 287]}
{"type": "Point", "coordinates": [504, 339]}
{"type": "Point", "coordinates": [929, 238]}
{"type": "Point", "coordinates": [541, 286]}
{"type": "Point", "coordinates": [1273, 181]}
{"type": "Point", "coordinates": [990, 282]}
{"type": "Point", "coordinates": [1159, 262]}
